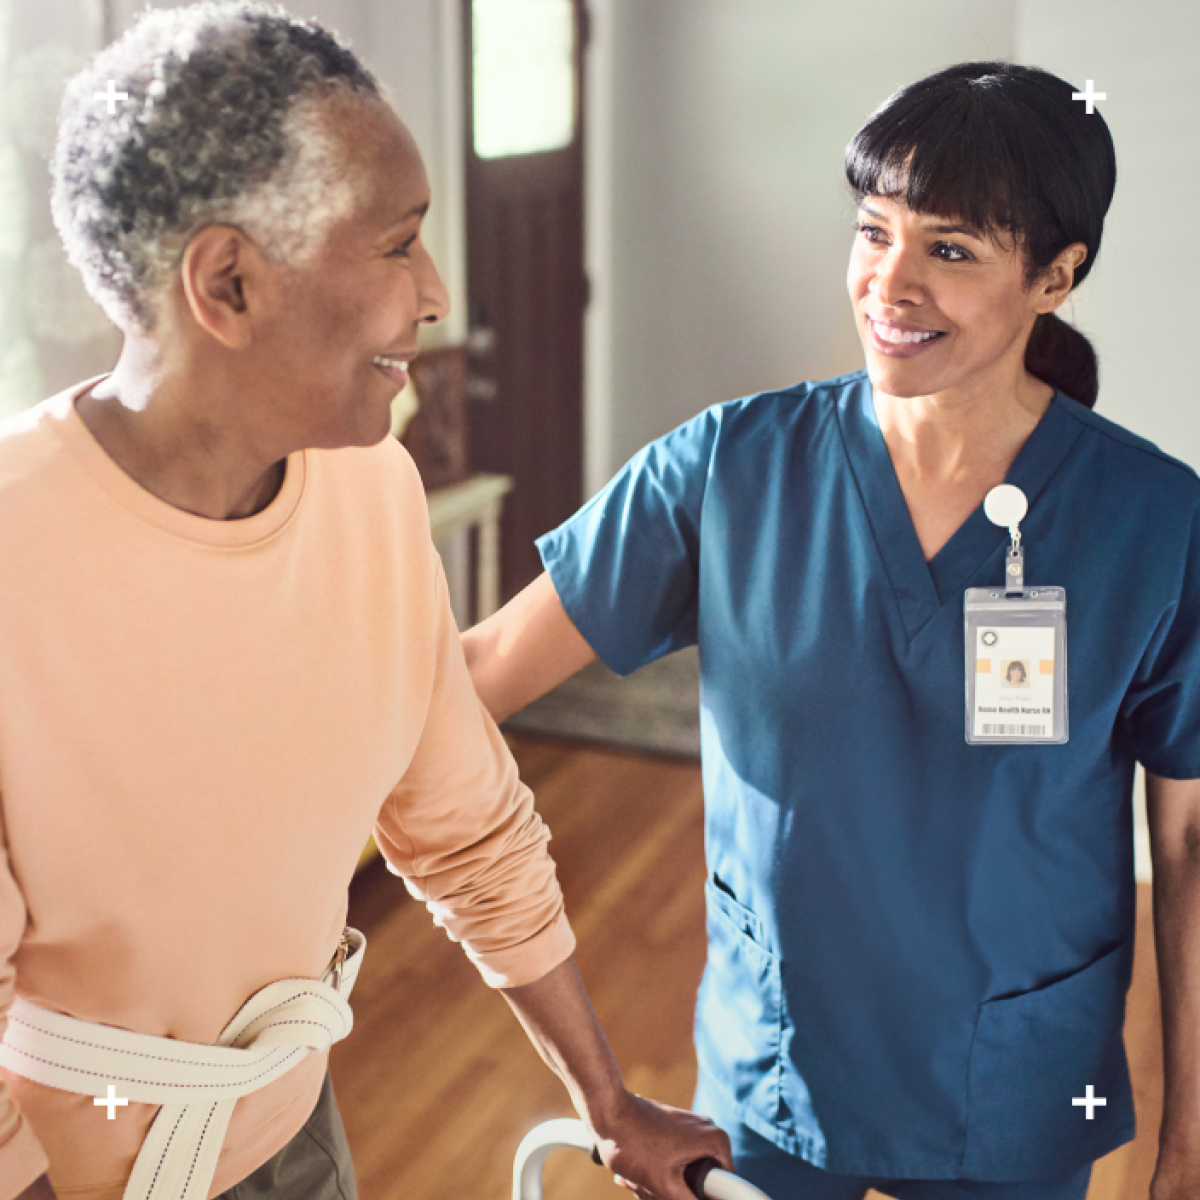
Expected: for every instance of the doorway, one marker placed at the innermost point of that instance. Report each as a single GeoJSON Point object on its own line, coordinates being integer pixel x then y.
{"type": "Point", "coordinates": [526, 283]}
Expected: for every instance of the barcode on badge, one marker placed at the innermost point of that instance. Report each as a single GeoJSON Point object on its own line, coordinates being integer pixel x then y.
{"type": "Point", "coordinates": [1015, 730]}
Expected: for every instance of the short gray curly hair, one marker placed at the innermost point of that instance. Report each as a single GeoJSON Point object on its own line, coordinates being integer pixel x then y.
{"type": "Point", "coordinates": [222, 124]}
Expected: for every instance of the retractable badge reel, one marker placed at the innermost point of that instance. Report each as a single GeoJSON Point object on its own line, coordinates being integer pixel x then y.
{"type": "Point", "coordinates": [1016, 646]}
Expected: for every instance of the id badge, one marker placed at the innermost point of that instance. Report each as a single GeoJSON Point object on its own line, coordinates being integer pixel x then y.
{"type": "Point", "coordinates": [1016, 666]}
{"type": "Point", "coordinates": [1016, 646]}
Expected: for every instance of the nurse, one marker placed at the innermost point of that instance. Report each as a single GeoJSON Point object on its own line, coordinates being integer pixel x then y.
{"type": "Point", "coordinates": [919, 947]}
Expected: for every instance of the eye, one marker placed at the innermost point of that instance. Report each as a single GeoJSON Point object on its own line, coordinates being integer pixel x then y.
{"type": "Point", "coordinates": [958, 250]}
{"type": "Point", "coordinates": [401, 251]}
{"type": "Point", "coordinates": [946, 252]}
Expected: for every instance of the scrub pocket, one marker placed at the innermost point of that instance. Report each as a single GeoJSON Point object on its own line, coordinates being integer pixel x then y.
{"type": "Point", "coordinates": [739, 1011]}
{"type": "Point", "coordinates": [1035, 1052]}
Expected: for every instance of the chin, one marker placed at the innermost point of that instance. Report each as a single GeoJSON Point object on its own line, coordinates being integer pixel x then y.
{"type": "Point", "coordinates": [357, 432]}
{"type": "Point", "coordinates": [904, 385]}
{"type": "Point", "coordinates": [363, 437]}
{"type": "Point", "coordinates": [377, 431]}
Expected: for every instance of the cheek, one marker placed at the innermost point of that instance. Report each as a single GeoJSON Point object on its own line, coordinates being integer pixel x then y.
{"type": "Point", "coordinates": [318, 317]}
{"type": "Point", "coordinates": [351, 319]}
{"type": "Point", "coordinates": [993, 316]}
{"type": "Point", "coordinates": [858, 275]}
{"type": "Point", "coordinates": [385, 306]}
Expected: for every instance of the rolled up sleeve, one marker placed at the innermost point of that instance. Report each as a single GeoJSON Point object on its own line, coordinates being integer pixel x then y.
{"type": "Point", "coordinates": [22, 1159]}
{"type": "Point", "coordinates": [460, 828]}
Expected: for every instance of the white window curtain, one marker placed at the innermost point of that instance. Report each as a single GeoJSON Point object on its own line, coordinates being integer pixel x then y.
{"type": "Point", "coordinates": [51, 332]}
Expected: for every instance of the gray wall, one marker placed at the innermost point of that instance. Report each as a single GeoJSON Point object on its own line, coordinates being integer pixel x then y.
{"type": "Point", "coordinates": [1139, 305]}
{"type": "Point", "coordinates": [730, 223]}
{"type": "Point", "coordinates": [51, 334]}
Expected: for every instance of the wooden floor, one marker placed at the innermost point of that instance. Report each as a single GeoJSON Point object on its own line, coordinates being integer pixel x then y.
{"type": "Point", "coordinates": [437, 1084]}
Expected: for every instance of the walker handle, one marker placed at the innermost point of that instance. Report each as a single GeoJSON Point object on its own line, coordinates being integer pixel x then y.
{"type": "Point", "coordinates": [695, 1174]}
{"type": "Point", "coordinates": [704, 1177]}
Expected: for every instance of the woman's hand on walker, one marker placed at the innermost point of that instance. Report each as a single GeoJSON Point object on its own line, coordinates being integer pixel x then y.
{"type": "Point", "coordinates": [648, 1146]}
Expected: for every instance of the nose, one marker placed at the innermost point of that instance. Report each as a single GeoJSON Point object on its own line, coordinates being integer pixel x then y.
{"type": "Point", "coordinates": [896, 278]}
{"type": "Point", "coordinates": [433, 301]}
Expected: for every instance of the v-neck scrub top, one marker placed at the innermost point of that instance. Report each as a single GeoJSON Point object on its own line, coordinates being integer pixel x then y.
{"type": "Point", "coordinates": [918, 948]}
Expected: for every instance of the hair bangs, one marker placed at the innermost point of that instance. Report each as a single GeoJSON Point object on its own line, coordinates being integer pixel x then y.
{"type": "Point", "coordinates": [945, 156]}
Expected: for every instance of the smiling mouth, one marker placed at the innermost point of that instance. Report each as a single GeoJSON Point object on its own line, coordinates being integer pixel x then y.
{"type": "Point", "coordinates": [395, 369]}
{"type": "Point", "coordinates": [898, 337]}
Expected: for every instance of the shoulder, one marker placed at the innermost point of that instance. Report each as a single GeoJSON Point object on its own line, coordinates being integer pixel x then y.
{"type": "Point", "coordinates": [28, 443]}
{"type": "Point", "coordinates": [805, 415]}
{"type": "Point", "coordinates": [385, 469]}
{"type": "Point", "coordinates": [736, 431]}
{"type": "Point", "coordinates": [368, 504]}
{"type": "Point", "coordinates": [807, 399]}
{"type": "Point", "coordinates": [799, 403]}
{"type": "Point", "coordinates": [1132, 460]}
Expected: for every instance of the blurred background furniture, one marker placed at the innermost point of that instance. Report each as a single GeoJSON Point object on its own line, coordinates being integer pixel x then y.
{"type": "Point", "coordinates": [474, 506]}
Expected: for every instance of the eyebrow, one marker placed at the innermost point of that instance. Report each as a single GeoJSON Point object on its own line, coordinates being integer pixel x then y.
{"type": "Point", "coordinates": [418, 210]}
{"type": "Point", "coordinates": [974, 233]}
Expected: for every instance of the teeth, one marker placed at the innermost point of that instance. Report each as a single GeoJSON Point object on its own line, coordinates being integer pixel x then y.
{"type": "Point", "coordinates": [380, 361]}
{"type": "Point", "coordinates": [898, 337]}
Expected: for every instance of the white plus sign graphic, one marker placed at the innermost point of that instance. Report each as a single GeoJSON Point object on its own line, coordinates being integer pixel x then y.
{"type": "Point", "coordinates": [111, 1103]}
{"type": "Point", "coordinates": [1089, 97]}
{"type": "Point", "coordinates": [1090, 1100]}
{"type": "Point", "coordinates": [112, 96]}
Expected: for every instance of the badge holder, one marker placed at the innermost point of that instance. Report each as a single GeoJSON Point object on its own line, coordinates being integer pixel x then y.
{"type": "Point", "coordinates": [1016, 647]}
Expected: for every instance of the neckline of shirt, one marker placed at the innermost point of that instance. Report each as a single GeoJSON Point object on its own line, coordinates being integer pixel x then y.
{"type": "Point", "coordinates": [923, 587]}
{"type": "Point", "coordinates": [241, 532]}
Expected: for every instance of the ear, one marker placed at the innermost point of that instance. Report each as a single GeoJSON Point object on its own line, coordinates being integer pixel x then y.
{"type": "Point", "coordinates": [1056, 283]}
{"type": "Point", "coordinates": [226, 281]}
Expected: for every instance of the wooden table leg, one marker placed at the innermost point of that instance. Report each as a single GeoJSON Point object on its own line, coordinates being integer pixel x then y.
{"type": "Point", "coordinates": [487, 565]}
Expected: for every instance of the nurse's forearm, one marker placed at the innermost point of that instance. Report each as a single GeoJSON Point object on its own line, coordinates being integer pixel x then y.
{"type": "Point", "coordinates": [520, 653]}
{"type": "Point", "coordinates": [1173, 807]}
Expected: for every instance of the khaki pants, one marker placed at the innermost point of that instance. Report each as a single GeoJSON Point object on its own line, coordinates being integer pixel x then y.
{"type": "Point", "coordinates": [314, 1165]}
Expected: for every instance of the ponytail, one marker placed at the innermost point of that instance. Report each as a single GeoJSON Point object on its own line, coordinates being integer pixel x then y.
{"type": "Point", "coordinates": [1058, 354]}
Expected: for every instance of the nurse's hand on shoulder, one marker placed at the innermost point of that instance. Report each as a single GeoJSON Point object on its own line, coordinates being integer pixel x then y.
{"type": "Point", "coordinates": [648, 1146]}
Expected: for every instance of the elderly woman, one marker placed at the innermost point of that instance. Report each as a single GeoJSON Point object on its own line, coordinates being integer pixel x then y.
{"type": "Point", "coordinates": [919, 945]}
{"type": "Point", "coordinates": [228, 653]}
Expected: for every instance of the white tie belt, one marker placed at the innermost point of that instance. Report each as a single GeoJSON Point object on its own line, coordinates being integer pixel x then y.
{"type": "Point", "coordinates": [196, 1085]}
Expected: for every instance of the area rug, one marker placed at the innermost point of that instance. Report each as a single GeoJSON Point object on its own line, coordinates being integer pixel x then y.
{"type": "Point", "coordinates": [656, 709]}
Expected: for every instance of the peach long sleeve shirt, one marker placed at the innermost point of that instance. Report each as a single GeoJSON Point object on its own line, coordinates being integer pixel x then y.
{"type": "Point", "coordinates": [200, 723]}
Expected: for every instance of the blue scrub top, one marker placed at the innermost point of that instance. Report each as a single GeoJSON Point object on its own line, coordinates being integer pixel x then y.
{"type": "Point", "coordinates": [918, 949]}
